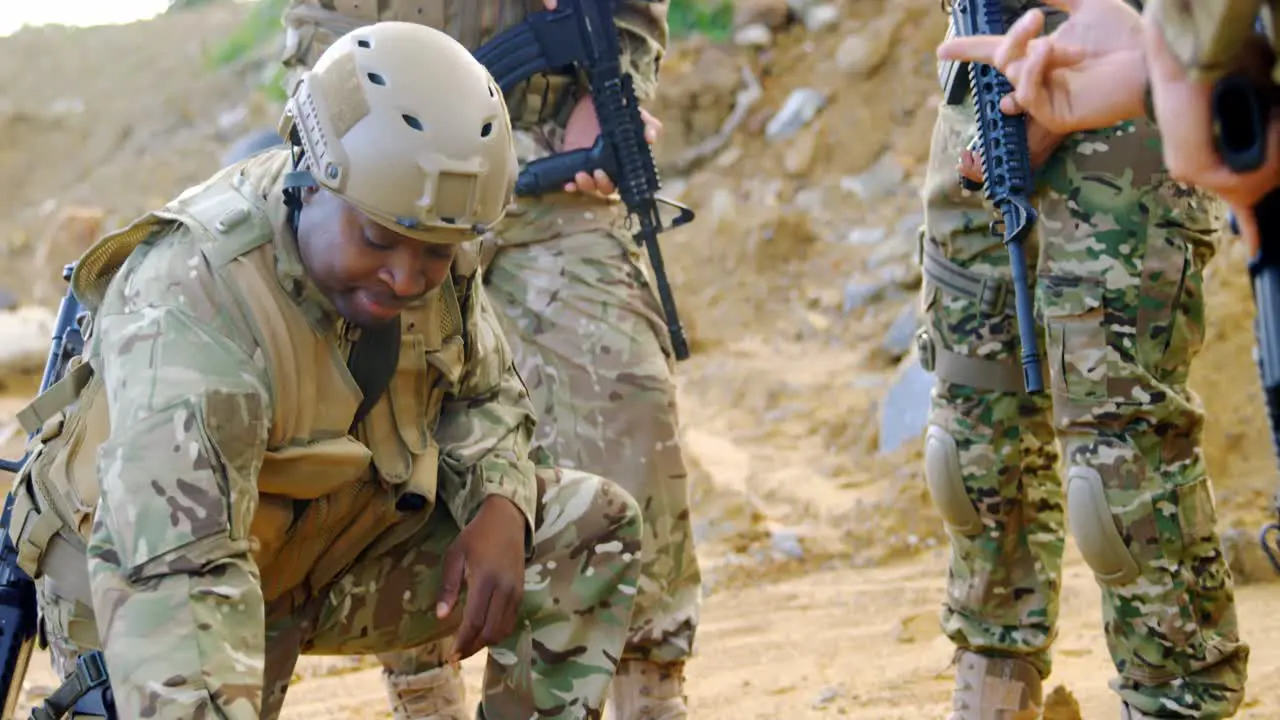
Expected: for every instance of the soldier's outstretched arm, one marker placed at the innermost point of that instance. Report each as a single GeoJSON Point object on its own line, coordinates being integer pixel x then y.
{"type": "Point", "coordinates": [486, 425]}
{"type": "Point", "coordinates": [176, 593]}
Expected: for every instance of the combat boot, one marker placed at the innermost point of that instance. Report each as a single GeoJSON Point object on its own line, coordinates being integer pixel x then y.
{"type": "Point", "coordinates": [644, 690]}
{"type": "Point", "coordinates": [437, 694]}
{"type": "Point", "coordinates": [995, 688]}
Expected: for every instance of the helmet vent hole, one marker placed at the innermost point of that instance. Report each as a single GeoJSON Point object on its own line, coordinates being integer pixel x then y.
{"type": "Point", "coordinates": [412, 122]}
{"type": "Point", "coordinates": [484, 131]}
{"type": "Point", "coordinates": [377, 79]}
{"type": "Point", "coordinates": [364, 44]}
{"type": "Point", "coordinates": [451, 221]}
{"type": "Point", "coordinates": [491, 92]}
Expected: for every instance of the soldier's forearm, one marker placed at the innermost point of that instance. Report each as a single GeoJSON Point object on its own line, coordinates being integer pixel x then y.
{"type": "Point", "coordinates": [185, 645]}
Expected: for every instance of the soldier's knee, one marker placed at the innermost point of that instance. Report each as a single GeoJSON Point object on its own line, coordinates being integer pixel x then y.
{"type": "Point", "coordinates": [609, 511]}
{"type": "Point", "coordinates": [946, 483]}
{"type": "Point", "coordinates": [1095, 529]}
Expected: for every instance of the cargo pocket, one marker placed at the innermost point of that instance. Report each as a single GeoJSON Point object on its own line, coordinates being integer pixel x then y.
{"type": "Point", "coordinates": [162, 491]}
{"type": "Point", "coordinates": [1075, 325]}
{"type": "Point", "coordinates": [1172, 532]}
{"type": "Point", "coordinates": [1170, 322]}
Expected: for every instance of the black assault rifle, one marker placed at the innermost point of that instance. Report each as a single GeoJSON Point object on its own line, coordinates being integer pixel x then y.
{"type": "Point", "coordinates": [1242, 104]}
{"type": "Point", "coordinates": [1006, 162]}
{"type": "Point", "coordinates": [86, 690]}
{"type": "Point", "coordinates": [582, 34]}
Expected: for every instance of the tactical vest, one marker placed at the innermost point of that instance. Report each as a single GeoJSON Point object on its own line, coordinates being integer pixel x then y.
{"type": "Point", "coordinates": [324, 496]}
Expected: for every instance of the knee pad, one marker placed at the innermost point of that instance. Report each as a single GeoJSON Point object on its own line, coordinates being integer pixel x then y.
{"type": "Point", "coordinates": [946, 483]}
{"type": "Point", "coordinates": [1094, 528]}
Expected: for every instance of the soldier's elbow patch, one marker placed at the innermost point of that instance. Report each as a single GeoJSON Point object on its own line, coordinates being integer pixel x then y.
{"type": "Point", "coordinates": [1093, 526]}
{"type": "Point", "coordinates": [165, 489]}
{"type": "Point", "coordinates": [946, 483]}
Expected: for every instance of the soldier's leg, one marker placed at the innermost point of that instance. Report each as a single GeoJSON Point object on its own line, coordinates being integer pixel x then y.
{"type": "Point", "coordinates": [1122, 294]}
{"type": "Point", "coordinates": [989, 451]}
{"type": "Point", "coordinates": [579, 593]}
{"type": "Point", "coordinates": [421, 683]}
{"type": "Point", "coordinates": [591, 344]}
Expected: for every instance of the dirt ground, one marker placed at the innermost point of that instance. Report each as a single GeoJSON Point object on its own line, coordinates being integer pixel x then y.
{"type": "Point", "coordinates": [824, 562]}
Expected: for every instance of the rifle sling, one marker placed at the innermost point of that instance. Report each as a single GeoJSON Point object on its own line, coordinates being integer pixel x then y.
{"type": "Point", "coordinates": [56, 398]}
{"type": "Point", "coordinates": [90, 673]}
{"type": "Point", "coordinates": [372, 364]}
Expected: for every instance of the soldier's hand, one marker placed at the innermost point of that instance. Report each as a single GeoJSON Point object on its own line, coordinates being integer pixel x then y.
{"type": "Point", "coordinates": [1088, 74]}
{"type": "Point", "coordinates": [1041, 141]}
{"type": "Point", "coordinates": [1184, 115]}
{"type": "Point", "coordinates": [488, 557]}
{"type": "Point", "coordinates": [581, 131]}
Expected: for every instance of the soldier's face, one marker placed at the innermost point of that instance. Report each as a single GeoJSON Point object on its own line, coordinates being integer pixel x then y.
{"type": "Point", "coordinates": [368, 272]}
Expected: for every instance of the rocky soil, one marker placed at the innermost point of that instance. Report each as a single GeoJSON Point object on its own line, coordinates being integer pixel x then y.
{"type": "Point", "coordinates": [801, 144]}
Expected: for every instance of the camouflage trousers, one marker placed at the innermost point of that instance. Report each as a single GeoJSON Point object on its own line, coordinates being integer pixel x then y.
{"type": "Point", "coordinates": [1117, 261]}
{"type": "Point", "coordinates": [592, 347]}
{"type": "Point", "coordinates": [579, 592]}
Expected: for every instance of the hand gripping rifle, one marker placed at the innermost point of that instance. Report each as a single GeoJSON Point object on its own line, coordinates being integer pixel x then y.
{"type": "Point", "coordinates": [1006, 163]}
{"type": "Point", "coordinates": [86, 690]}
{"type": "Point", "coordinates": [1241, 105]}
{"type": "Point", "coordinates": [582, 33]}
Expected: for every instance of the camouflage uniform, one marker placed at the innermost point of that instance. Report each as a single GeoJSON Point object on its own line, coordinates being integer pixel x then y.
{"type": "Point", "coordinates": [232, 501]}
{"type": "Point", "coordinates": [1208, 35]}
{"type": "Point", "coordinates": [576, 303]}
{"type": "Point", "coordinates": [1117, 263]}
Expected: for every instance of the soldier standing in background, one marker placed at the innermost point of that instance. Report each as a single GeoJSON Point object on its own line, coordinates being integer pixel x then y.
{"type": "Point", "coordinates": [578, 307]}
{"type": "Point", "coordinates": [1117, 258]}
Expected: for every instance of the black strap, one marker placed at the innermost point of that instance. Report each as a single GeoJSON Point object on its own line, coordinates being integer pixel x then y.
{"type": "Point", "coordinates": [89, 675]}
{"type": "Point", "coordinates": [373, 362]}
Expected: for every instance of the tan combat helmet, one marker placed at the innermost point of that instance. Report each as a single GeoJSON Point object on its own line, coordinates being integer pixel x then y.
{"type": "Point", "coordinates": [402, 121]}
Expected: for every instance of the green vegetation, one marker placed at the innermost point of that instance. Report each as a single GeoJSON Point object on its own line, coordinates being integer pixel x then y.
{"type": "Point", "coordinates": [260, 28]}
{"type": "Point", "coordinates": [712, 18]}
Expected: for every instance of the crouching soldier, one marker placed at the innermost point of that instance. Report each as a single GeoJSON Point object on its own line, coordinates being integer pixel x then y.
{"type": "Point", "coordinates": [297, 428]}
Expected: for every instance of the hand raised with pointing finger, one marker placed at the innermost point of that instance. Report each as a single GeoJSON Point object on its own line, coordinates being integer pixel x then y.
{"type": "Point", "coordinates": [1088, 74]}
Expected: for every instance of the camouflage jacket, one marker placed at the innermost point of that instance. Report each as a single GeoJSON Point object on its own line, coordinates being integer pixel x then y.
{"type": "Point", "coordinates": [1207, 36]}
{"type": "Point", "coordinates": [229, 488]}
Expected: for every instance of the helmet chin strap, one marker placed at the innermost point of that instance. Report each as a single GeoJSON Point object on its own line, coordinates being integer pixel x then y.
{"type": "Point", "coordinates": [295, 181]}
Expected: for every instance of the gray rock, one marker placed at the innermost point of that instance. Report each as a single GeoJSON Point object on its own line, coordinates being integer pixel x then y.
{"type": "Point", "coordinates": [866, 236]}
{"type": "Point", "coordinates": [858, 295]}
{"type": "Point", "coordinates": [901, 336]}
{"type": "Point", "coordinates": [787, 544]}
{"type": "Point", "coordinates": [753, 35]}
{"type": "Point", "coordinates": [904, 412]}
{"type": "Point", "coordinates": [801, 106]}
{"type": "Point", "coordinates": [863, 53]}
{"type": "Point", "coordinates": [820, 17]}
{"type": "Point", "coordinates": [883, 178]}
